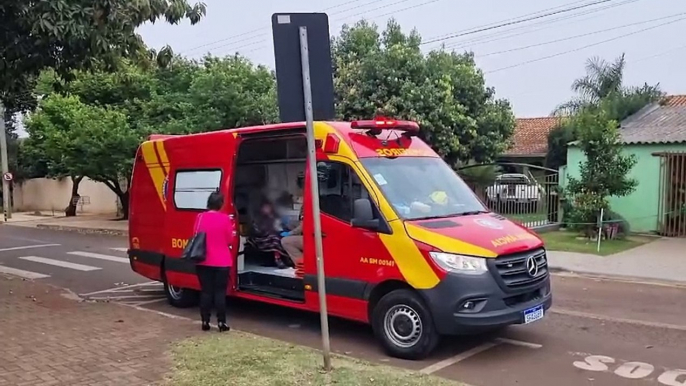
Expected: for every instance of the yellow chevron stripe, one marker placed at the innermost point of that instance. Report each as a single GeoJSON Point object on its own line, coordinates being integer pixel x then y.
{"type": "Point", "coordinates": [164, 160]}
{"type": "Point", "coordinates": [154, 168]}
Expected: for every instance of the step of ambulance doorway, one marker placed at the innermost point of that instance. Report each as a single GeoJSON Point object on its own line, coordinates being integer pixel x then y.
{"type": "Point", "coordinates": [273, 286]}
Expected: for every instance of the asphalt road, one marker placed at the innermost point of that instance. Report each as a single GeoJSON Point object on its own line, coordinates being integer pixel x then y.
{"type": "Point", "coordinates": [599, 332]}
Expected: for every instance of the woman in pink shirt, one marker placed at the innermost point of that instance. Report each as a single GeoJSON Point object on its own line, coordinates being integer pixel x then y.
{"type": "Point", "coordinates": [213, 272]}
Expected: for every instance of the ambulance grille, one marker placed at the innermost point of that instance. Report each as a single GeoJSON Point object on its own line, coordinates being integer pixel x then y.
{"type": "Point", "coordinates": [514, 273]}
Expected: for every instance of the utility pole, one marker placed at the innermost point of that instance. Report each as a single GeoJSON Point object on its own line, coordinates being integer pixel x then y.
{"type": "Point", "coordinates": [314, 186]}
{"type": "Point", "coordinates": [6, 202]}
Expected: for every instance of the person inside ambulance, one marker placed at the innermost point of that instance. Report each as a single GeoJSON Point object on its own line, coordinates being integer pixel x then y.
{"type": "Point", "coordinates": [292, 239]}
{"type": "Point", "coordinates": [292, 243]}
{"type": "Point", "coordinates": [264, 235]}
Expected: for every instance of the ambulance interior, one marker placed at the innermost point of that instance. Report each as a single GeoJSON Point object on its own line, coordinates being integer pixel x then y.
{"type": "Point", "coordinates": [268, 168]}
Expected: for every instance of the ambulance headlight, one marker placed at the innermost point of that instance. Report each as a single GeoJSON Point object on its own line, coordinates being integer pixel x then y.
{"type": "Point", "coordinates": [459, 263]}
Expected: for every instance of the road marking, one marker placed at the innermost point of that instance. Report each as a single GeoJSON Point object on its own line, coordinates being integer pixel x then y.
{"type": "Point", "coordinates": [458, 358]}
{"type": "Point", "coordinates": [120, 289]}
{"type": "Point", "coordinates": [28, 247]}
{"type": "Point", "coordinates": [120, 249]}
{"type": "Point", "coordinates": [59, 263]}
{"type": "Point", "coordinates": [643, 323]}
{"type": "Point", "coordinates": [22, 273]}
{"type": "Point", "coordinates": [628, 369]}
{"type": "Point", "coordinates": [150, 302]}
{"type": "Point", "coordinates": [520, 343]}
{"type": "Point", "coordinates": [123, 297]}
{"type": "Point", "coordinates": [100, 256]}
{"type": "Point", "coordinates": [167, 315]}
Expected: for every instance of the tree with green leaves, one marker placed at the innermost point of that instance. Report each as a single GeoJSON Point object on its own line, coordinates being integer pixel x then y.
{"type": "Point", "coordinates": [76, 140]}
{"type": "Point", "coordinates": [603, 85]}
{"type": "Point", "coordinates": [74, 34]}
{"type": "Point", "coordinates": [387, 73]}
{"type": "Point", "coordinates": [135, 101]}
{"type": "Point", "coordinates": [604, 172]}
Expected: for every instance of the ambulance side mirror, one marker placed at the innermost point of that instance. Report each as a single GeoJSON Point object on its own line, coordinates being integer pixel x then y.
{"type": "Point", "coordinates": [363, 215]}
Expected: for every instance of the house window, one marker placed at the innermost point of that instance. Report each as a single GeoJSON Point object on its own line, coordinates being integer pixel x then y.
{"type": "Point", "coordinates": [193, 187]}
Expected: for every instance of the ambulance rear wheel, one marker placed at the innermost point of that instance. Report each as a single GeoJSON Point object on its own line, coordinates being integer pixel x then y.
{"type": "Point", "coordinates": [180, 297]}
{"type": "Point", "coordinates": [404, 326]}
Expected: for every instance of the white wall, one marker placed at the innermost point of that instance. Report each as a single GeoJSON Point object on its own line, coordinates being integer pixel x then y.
{"type": "Point", "coordinates": [44, 194]}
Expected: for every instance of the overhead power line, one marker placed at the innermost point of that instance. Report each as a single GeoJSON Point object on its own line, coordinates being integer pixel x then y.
{"type": "Point", "coordinates": [505, 34]}
{"type": "Point", "coordinates": [252, 32]}
{"type": "Point", "coordinates": [267, 28]}
{"type": "Point", "coordinates": [582, 48]}
{"type": "Point", "coordinates": [348, 17]}
{"type": "Point", "coordinates": [579, 36]}
{"type": "Point", "coordinates": [507, 20]}
{"type": "Point", "coordinates": [514, 22]}
{"type": "Point", "coordinates": [663, 53]}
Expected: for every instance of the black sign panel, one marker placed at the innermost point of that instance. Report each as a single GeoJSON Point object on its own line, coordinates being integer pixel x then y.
{"type": "Point", "coordinates": [286, 30]}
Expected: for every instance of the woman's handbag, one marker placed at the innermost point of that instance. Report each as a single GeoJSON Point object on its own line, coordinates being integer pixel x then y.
{"type": "Point", "coordinates": [196, 249]}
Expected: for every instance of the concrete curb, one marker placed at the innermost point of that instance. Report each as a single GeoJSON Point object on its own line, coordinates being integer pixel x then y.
{"type": "Point", "coordinates": [620, 278]}
{"type": "Point", "coordinates": [86, 231]}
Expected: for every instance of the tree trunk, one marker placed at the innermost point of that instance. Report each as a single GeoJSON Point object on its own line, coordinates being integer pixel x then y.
{"type": "Point", "coordinates": [71, 208]}
{"type": "Point", "coordinates": [124, 199]}
{"type": "Point", "coordinates": [121, 194]}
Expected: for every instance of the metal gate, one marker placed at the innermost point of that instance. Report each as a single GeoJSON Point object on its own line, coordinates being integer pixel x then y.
{"type": "Point", "coordinates": [671, 213]}
{"type": "Point", "coordinates": [530, 197]}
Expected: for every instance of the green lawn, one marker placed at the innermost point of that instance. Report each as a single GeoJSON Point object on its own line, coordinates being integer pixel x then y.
{"type": "Point", "coordinates": [240, 359]}
{"type": "Point", "coordinates": [571, 242]}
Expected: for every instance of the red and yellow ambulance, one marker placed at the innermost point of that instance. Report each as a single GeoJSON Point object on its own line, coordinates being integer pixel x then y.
{"type": "Point", "coordinates": [408, 247]}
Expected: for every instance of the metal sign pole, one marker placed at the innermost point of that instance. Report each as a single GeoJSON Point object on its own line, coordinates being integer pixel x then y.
{"type": "Point", "coordinates": [6, 202]}
{"type": "Point", "coordinates": [314, 188]}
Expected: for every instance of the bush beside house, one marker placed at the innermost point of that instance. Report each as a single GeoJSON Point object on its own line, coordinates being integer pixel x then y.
{"type": "Point", "coordinates": [656, 129]}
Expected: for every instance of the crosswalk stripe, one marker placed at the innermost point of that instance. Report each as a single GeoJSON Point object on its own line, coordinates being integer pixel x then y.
{"type": "Point", "coordinates": [59, 263]}
{"type": "Point", "coordinates": [22, 273]}
{"type": "Point", "coordinates": [28, 247]}
{"type": "Point", "coordinates": [100, 256]}
{"type": "Point", "coordinates": [120, 249]}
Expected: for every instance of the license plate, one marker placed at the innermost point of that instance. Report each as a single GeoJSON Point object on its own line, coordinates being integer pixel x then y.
{"type": "Point", "coordinates": [533, 314]}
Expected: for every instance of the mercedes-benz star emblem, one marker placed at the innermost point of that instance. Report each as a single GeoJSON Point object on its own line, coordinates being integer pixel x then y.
{"type": "Point", "coordinates": [532, 266]}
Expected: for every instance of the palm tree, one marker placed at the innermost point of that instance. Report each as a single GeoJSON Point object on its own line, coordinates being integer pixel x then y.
{"type": "Point", "coordinates": [602, 80]}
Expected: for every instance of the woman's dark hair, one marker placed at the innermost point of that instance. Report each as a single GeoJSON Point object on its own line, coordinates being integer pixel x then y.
{"type": "Point", "coordinates": [215, 201]}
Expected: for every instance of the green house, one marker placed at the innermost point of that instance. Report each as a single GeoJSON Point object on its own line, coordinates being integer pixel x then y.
{"type": "Point", "coordinates": [656, 135]}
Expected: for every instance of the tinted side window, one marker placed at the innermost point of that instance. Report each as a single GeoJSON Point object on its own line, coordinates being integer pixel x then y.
{"type": "Point", "coordinates": [339, 187]}
{"type": "Point", "coordinates": [192, 188]}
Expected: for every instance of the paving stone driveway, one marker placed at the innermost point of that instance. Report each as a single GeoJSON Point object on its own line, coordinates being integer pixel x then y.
{"type": "Point", "coordinates": [50, 339]}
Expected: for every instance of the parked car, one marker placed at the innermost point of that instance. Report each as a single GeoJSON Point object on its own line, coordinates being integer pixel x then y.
{"type": "Point", "coordinates": [514, 192]}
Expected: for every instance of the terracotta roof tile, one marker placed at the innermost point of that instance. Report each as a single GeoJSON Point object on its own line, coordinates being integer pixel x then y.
{"type": "Point", "coordinates": [674, 100]}
{"type": "Point", "coordinates": [531, 136]}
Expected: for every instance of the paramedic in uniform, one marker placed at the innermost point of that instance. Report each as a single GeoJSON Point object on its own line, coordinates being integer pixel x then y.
{"type": "Point", "coordinates": [292, 243]}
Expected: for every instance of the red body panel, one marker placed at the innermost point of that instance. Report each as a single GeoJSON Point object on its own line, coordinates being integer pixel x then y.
{"type": "Point", "coordinates": [158, 228]}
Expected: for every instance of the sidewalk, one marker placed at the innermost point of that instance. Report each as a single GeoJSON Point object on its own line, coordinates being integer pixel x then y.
{"type": "Point", "coordinates": [49, 339]}
{"type": "Point", "coordinates": [100, 224]}
{"type": "Point", "coordinates": [661, 260]}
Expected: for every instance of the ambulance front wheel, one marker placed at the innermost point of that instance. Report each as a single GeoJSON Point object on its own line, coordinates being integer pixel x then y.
{"type": "Point", "coordinates": [404, 325]}
{"type": "Point", "coordinates": [180, 297]}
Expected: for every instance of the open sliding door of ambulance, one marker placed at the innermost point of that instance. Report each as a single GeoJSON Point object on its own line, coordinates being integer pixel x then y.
{"type": "Point", "coordinates": [199, 167]}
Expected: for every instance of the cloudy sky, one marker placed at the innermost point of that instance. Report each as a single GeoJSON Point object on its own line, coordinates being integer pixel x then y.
{"type": "Point", "coordinates": [531, 63]}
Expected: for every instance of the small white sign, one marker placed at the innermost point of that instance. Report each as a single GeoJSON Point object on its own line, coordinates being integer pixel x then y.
{"type": "Point", "coordinates": [7, 177]}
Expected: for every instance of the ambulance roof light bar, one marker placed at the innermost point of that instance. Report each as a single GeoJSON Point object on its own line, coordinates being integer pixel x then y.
{"type": "Point", "coordinates": [376, 125]}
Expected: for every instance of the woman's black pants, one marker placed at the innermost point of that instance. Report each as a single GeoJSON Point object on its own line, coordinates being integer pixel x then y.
{"type": "Point", "coordinates": [213, 284]}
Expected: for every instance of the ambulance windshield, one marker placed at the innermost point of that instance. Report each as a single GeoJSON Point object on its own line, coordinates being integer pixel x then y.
{"type": "Point", "coordinates": [422, 188]}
